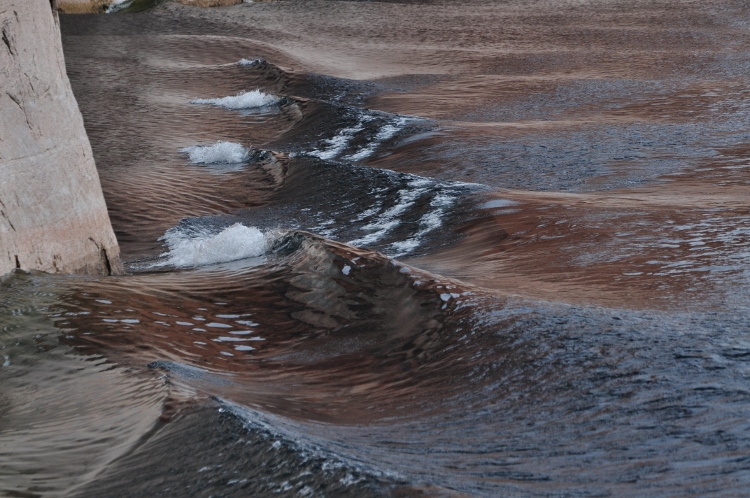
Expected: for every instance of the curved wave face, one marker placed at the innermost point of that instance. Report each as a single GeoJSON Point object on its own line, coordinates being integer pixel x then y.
{"type": "Point", "coordinates": [455, 261]}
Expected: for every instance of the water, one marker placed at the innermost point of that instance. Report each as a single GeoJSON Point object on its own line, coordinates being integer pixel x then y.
{"type": "Point", "coordinates": [398, 251]}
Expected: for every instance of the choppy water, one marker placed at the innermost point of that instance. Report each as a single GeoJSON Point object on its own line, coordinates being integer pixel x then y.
{"type": "Point", "coordinates": [502, 273]}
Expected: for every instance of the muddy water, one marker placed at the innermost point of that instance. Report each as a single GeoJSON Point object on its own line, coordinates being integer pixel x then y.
{"type": "Point", "coordinates": [434, 249]}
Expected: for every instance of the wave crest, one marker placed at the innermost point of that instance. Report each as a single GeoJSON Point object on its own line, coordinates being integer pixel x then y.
{"type": "Point", "coordinates": [218, 153]}
{"type": "Point", "coordinates": [191, 249]}
{"type": "Point", "coordinates": [244, 100]}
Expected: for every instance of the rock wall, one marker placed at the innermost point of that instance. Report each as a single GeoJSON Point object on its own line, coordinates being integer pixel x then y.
{"type": "Point", "coordinates": [52, 212]}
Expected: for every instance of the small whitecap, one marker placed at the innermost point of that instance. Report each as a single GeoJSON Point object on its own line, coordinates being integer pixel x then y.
{"type": "Point", "coordinates": [186, 324]}
{"type": "Point", "coordinates": [118, 5]}
{"type": "Point", "coordinates": [245, 100]}
{"type": "Point", "coordinates": [218, 153]}
{"type": "Point", "coordinates": [244, 348]}
{"type": "Point", "coordinates": [104, 301]}
{"type": "Point", "coordinates": [346, 269]}
{"type": "Point", "coordinates": [231, 244]}
{"type": "Point", "coordinates": [249, 62]}
{"type": "Point", "coordinates": [218, 325]}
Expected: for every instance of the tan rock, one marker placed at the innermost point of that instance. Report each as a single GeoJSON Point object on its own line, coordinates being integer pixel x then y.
{"type": "Point", "coordinates": [83, 6]}
{"type": "Point", "coordinates": [52, 212]}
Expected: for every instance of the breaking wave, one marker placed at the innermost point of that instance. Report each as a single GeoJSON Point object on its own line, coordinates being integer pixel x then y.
{"type": "Point", "coordinates": [191, 248]}
{"type": "Point", "coordinates": [244, 100]}
{"type": "Point", "coordinates": [118, 5]}
{"type": "Point", "coordinates": [218, 153]}
{"type": "Point", "coordinates": [249, 62]}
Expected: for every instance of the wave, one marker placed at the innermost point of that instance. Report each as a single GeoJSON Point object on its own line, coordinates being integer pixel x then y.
{"type": "Point", "coordinates": [389, 218]}
{"type": "Point", "coordinates": [201, 247]}
{"type": "Point", "coordinates": [428, 223]}
{"type": "Point", "coordinates": [253, 99]}
{"type": "Point", "coordinates": [398, 214]}
{"type": "Point", "coordinates": [240, 452]}
{"type": "Point", "coordinates": [333, 146]}
{"type": "Point", "coordinates": [118, 5]}
{"type": "Point", "coordinates": [386, 132]}
{"type": "Point", "coordinates": [250, 62]}
{"type": "Point", "coordinates": [218, 153]}
{"type": "Point", "coordinates": [361, 137]}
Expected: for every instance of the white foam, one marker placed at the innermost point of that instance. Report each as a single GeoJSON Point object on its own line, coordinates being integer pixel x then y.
{"type": "Point", "coordinates": [338, 143]}
{"type": "Point", "coordinates": [244, 100]}
{"type": "Point", "coordinates": [218, 153]}
{"type": "Point", "coordinates": [231, 244]}
{"type": "Point", "coordinates": [385, 133]}
{"type": "Point", "coordinates": [249, 62]}
{"type": "Point", "coordinates": [429, 222]}
{"type": "Point", "coordinates": [118, 5]}
{"type": "Point", "coordinates": [386, 221]}
{"type": "Point", "coordinates": [389, 219]}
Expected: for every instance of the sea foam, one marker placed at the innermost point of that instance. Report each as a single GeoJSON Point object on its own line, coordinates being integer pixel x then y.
{"type": "Point", "coordinates": [388, 131]}
{"type": "Point", "coordinates": [218, 153]}
{"type": "Point", "coordinates": [199, 249]}
{"type": "Point", "coordinates": [244, 100]}
{"type": "Point", "coordinates": [249, 62]}
{"type": "Point", "coordinates": [118, 5]}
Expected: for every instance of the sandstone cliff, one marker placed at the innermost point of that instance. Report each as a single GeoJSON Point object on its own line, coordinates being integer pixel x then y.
{"type": "Point", "coordinates": [52, 211]}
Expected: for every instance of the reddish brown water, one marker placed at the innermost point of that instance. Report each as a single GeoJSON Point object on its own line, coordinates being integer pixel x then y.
{"type": "Point", "coordinates": [495, 248]}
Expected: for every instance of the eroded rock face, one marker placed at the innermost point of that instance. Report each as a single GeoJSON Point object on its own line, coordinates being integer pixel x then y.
{"type": "Point", "coordinates": [52, 212]}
